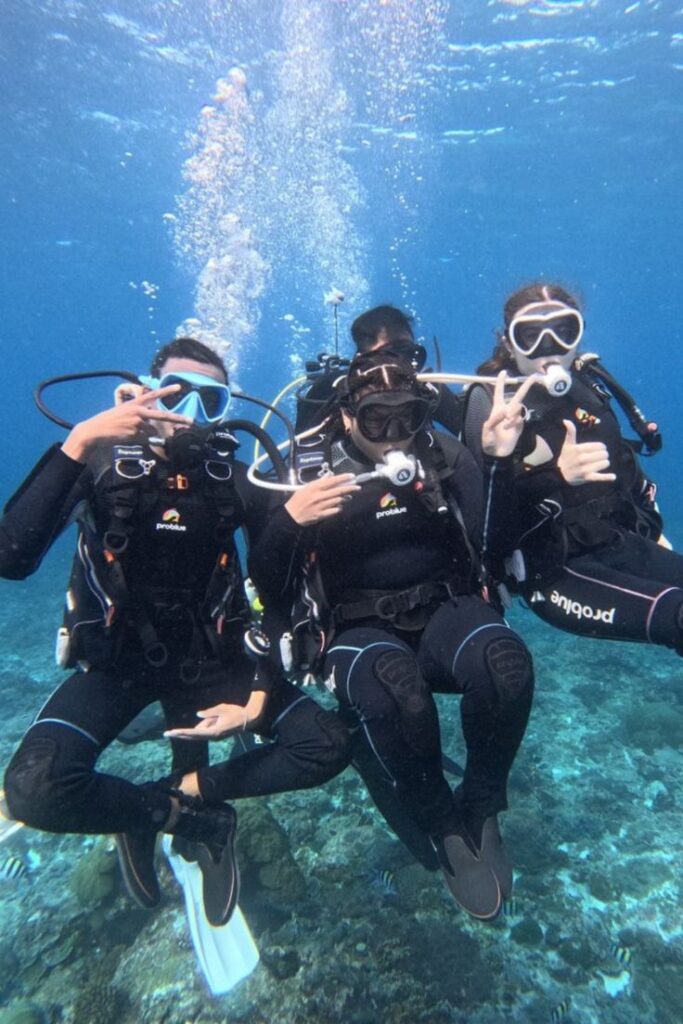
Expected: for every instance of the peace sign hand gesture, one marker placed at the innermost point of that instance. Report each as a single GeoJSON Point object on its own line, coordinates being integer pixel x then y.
{"type": "Point", "coordinates": [502, 430]}
{"type": "Point", "coordinates": [127, 421]}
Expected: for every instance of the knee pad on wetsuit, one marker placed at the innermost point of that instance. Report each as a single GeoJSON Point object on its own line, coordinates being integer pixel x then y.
{"type": "Point", "coordinates": [400, 675]}
{"type": "Point", "coordinates": [509, 666]}
{"type": "Point", "coordinates": [29, 783]}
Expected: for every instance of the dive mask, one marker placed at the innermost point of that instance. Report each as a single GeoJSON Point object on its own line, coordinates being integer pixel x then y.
{"type": "Point", "coordinates": [413, 353]}
{"type": "Point", "coordinates": [545, 329]}
{"type": "Point", "coordinates": [201, 398]}
{"type": "Point", "coordinates": [391, 415]}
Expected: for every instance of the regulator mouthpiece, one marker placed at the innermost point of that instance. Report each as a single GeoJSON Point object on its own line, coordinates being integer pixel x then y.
{"type": "Point", "coordinates": [556, 380]}
{"type": "Point", "coordinates": [398, 467]}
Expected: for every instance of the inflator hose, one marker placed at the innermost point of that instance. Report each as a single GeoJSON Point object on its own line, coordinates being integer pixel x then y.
{"type": "Point", "coordinates": [266, 443]}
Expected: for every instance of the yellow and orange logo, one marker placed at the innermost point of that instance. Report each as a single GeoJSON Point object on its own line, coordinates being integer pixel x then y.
{"type": "Point", "coordinates": [387, 500]}
{"type": "Point", "coordinates": [586, 418]}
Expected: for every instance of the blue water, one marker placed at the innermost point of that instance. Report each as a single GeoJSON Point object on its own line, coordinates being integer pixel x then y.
{"type": "Point", "coordinates": [432, 154]}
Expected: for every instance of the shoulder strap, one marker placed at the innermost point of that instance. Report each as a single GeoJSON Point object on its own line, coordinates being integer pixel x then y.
{"type": "Point", "coordinates": [312, 457]}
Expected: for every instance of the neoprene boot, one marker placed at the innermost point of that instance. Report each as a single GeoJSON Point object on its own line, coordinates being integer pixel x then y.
{"type": "Point", "coordinates": [211, 832]}
{"type": "Point", "coordinates": [136, 859]}
{"type": "Point", "coordinates": [203, 834]}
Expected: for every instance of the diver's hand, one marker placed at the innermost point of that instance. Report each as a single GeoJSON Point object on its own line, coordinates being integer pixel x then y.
{"type": "Point", "coordinates": [585, 462]}
{"type": "Point", "coordinates": [321, 498]}
{"type": "Point", "coordinates": [222, 720]}
{"type": "Point", "coordinates": [501, 431]}
{"type": "Point", "coordinates": [129, 420]}
{"type": "Point", "coordinates": [127, 391]}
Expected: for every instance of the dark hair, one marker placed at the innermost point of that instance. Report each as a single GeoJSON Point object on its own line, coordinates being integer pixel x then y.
{"type": "Point", "coordinates": [187, 348]}
{"type": "Point", "coordinates": [502, 359]}
{"type": "Point", "coordinates": [394, 323]}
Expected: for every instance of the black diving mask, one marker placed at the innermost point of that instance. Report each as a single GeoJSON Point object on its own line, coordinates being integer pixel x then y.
{"type": "Point", "coordinates": [411, 351]}
{"type": "Point", "coordinates": [391, 415]}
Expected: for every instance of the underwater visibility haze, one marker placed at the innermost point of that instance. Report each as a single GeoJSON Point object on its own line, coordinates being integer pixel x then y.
{"type": "Point", "coordinates": [216, 168]}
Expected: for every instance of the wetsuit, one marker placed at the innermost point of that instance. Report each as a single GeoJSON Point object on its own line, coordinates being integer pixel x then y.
{"type": "Point", "coordinates": [591, 564]}
{"type": "Point", "coordinates": [396, 571]}
{"type": "Point", "coordinates": [164, 620]}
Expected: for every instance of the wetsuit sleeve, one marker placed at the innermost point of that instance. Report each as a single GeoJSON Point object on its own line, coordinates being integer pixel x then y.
{"type": "Point", "coordinates": [256, 503]}
{"type": "Point", "coordinates": [276, 558]}
{"type": "Point", "coordinates": [39, 511]}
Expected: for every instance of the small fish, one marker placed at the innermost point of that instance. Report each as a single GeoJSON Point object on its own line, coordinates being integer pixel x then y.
{"type": "Point", "coordinates": [384, 881]}
{"type": "Point", "coordinates": [334, 297]}
{"type": "Point", "coordinates": [12, 868]}
{"type": "Point", "coordinates": [622, 954]}
{"type": "Point", "coordinates": [560, 1011]}
{"type": "Point", "coordinates": [512, 907]}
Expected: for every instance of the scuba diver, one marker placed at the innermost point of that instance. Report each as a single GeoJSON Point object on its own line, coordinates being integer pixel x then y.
{"type": "Point", "coordinates": [588, 555]}
{"type": "Point", "coordinates": [379, 556]}
{"type": "Point", "coordinates": [156, 610]}
{"type": "Point", "coordinates": [383, 327]}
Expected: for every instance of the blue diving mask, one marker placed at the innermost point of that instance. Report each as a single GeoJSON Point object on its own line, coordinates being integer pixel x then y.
{"type": "Point", "coordinates": [201, 398]}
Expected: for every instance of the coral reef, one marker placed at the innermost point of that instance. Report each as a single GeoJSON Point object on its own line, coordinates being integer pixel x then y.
{"type": "Point", "coordinates": [95, 876]}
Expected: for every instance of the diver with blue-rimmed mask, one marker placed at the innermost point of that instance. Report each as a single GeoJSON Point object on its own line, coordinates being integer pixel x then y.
{"type": "Point", "coordinates": [156, 611]}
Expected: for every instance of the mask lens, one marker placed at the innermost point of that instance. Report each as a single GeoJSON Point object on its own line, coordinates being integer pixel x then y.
{"type": "Point", "coordinates": [213, 400]}
{"type": "Point", "coordinates": [379, 422]}
{"type": "Point", "coordinates": [526, 336]}
{"type": "Point", "coordinates": [563, 328]}
{"type": "Point", "coordinates": [566, 329]}
{"type": "Point", "coordinates": [176, 397]}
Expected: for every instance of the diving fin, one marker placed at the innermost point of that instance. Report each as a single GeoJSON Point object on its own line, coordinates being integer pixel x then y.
{"type": "Point", "coordinates": [227, 954]}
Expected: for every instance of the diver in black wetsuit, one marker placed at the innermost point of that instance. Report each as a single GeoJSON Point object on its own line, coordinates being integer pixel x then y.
{"type": "Point", "coordinates": [381, 327]}
{"type": "Point", "coordinates": [391, 608]}
{"type": "Point", "coordinates": [156, 611]}
{"type": "Point", "coordinates": [590, 555]}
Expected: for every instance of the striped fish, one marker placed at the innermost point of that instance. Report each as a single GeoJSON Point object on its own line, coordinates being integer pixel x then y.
{"type": "Point", "coordinates": [384, 881]}
{"type": "Point", "coordinates": [622, 954]}
{"type": "Point", "coordinates": [12, 868]}
{"type": "Point", "coordinates": [560, 1011]}
{"type": "Point", "coordinates": [512, 907]}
